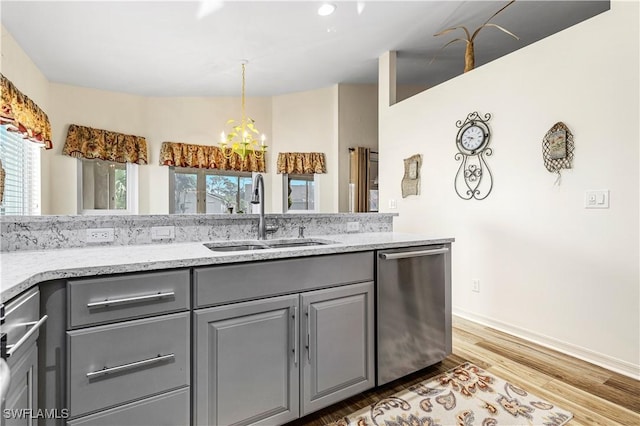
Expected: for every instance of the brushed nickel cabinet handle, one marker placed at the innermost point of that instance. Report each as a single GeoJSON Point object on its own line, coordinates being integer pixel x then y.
{"type": "Point", "coordinates": [35, 326]}
{"type": "Point", "coordinates": [308, 335]}
{"type": "Point", "coordinates": [295, 335]}
{"type": "Point", "coordinates": [407, 254]}
{"type": "Point", "coordinates": [120, 368]}
{"type": "Point", "coordinates": [106, 303]}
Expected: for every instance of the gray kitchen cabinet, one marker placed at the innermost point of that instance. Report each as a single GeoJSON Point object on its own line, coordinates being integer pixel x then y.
{"type": "Point", "coordinates": [128, 345]}
{"type": "Point", "coordinates": [269, 361]}
{"type": "Point", "coordinates": [167, 409]}
{"type": "Point", "coordinates": [246, 363]}
{"type": "Point", "coordinates": [20, 329]}
{"type": "Point", "coordinates": [22, 397]}
{"type": "Point", "coordinates": [339, 345]}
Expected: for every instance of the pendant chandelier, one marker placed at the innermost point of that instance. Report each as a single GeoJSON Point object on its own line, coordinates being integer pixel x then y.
{"type": "Point", "coordinates": [241, 139]}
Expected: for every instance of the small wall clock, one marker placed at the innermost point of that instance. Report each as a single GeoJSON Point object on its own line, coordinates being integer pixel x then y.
{"type": "Point", "coordinates": [473, 178]}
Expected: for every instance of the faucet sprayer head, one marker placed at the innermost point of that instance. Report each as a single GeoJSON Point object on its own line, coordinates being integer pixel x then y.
{"type": "Point", "coordinates": [256, 198]}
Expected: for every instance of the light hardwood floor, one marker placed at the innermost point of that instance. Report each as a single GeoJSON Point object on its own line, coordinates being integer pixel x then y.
{"type": "Point", "coordinates": [594, 395]}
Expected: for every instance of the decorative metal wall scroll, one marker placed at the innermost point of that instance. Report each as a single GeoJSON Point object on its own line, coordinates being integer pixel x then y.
{"type": "Point", "coordinates": [557, 149]}
{"type": "Point", "coordinates": [473, 179]}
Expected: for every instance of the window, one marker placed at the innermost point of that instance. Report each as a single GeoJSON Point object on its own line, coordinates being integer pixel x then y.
{"type": "Point", "coordinates": [21, 162]}
{"type": "Point", "coordinates": [300, 192]}
{"type": "Point", "coordinates": [106, 187]}
{"type": "Point", "coordinates": [209, 191]}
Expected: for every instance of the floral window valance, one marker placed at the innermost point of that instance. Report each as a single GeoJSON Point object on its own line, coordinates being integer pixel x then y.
{"type": "Point", "coordinates": [87, 142]}
{"type": "Point", "coordinates": [206, 157]}
{"type": "Point", "coordinates": [301, 162]}
{"type": "Point", "coordinates": [21, 114]}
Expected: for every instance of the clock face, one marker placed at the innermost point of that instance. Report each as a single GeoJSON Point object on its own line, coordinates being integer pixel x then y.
{"type": "Point", "coordinates": [472, 138]}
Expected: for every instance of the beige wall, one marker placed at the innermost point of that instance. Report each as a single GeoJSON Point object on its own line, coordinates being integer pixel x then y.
{"type": "Point", "coordinates": [190, 120]}
{"type": "Point", "coordinates": [549, 269]}
{"type": "Point", "coordinates": [307, 122]}
{"type": "Point", "coordinates": [23, 73]}
{"type": "Point", "coordinates": [86, 107]}
{"type": "Point", "coordinates": [358, 126]}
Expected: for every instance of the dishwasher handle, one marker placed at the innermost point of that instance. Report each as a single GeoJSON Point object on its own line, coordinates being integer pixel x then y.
{"type": "Point", "coordinates": [418, 253]}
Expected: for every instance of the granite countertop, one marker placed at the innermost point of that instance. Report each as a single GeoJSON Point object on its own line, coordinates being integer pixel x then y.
{"type": "Point", "coordinates": [21, 270]}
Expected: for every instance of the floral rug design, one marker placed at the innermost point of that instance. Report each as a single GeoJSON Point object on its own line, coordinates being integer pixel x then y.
{"type": "Point", "coordinates": [463, 396]}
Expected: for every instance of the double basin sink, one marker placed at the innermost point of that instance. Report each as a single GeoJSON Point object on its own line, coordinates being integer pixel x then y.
{"type": "Point", "coordinates": [225, 246]}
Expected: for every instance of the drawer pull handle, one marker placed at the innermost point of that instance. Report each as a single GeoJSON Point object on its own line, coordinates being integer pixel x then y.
{"type": "Point", "coordinates": [406, 254]}
{"type": "Point", "coordinates": [120, 368]}
{"type": "Point", "coordinates": [295, 335]}
{"type": "Point", "coordinates": [35, 326]}
{"type": "Point", "coordinates": [106, 303]}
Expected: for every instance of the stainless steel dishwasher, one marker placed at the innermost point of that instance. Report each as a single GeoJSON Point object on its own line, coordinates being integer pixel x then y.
{"type": "Point", "coordinates": [413, 309]}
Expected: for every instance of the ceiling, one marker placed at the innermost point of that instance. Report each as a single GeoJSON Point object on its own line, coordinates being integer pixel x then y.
{"type": "Point", "coordinates": [194, 48]}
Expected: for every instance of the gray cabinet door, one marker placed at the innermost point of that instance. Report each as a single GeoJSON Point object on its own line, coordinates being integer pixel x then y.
{"type": "Point", "coordinates": [338, 360]}
{"type": "Point", "coordinates": [246, 363]}
{"type": "Point", "coordinates": [22, 398]}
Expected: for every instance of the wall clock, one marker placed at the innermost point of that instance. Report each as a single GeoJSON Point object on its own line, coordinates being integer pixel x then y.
{"type": "Point", "coordinates": [473, 179]}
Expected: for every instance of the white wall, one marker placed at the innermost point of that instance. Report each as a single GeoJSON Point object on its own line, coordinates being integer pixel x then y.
{"type": "Point", "coordinates": [307, 122]}
{"type": "Point", "coordinates": [549, 269]}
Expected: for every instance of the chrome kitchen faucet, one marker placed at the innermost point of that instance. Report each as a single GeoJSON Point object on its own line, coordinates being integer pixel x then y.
{"type": "Point", "coordinates": [258, 198]}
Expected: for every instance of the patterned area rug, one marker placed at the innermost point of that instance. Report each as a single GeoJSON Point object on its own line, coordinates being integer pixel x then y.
{"type": "Point", "coordinates": [463, 396]}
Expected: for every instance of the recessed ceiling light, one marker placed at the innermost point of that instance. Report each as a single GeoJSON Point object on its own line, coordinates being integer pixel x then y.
{"type": "Point", "coordinates": [326, 9]}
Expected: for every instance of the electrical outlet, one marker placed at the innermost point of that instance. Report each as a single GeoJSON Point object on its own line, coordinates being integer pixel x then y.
{"type": "Point", "coordinates": [163, 232]}
{"type": "Point", "coordinates": [100, 235]}
{"type": "Point", "coordinates": [353, 226]}
{"type": "Point", "coordinates": [475, 286]}
{"type": "Point", "coordinates": [393, 204]}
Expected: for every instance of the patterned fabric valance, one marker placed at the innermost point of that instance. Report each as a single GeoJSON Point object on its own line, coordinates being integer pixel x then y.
{"type": "Point", "coordinates": [87, 142]}
{"type": "Point", "coordinates": [206, 157]}
{"type": "Point", "coordinates": [301, 162]}
{"type": "Point", "coordinates": [21, 114]}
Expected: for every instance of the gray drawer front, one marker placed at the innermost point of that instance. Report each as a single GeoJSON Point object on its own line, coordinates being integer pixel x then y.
{"type": "Point", "coordinates": [25, 309]}
{"type": "Point", "coordinates": [222, 284]}
{"type": "Point", "coordinates": [133, 296]}
{"type": "Point", "coordinates": [131, 345]}
{"type": "Point", "coordinates": [168, 409]}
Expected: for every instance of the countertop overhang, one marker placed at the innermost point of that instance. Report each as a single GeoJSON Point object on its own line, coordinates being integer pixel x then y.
{"type": "Point", "coordinates": [21, 270]}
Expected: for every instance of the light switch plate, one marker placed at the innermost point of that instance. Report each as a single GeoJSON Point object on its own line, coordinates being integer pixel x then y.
{"type": "Point", "coordinates": [596, 199]}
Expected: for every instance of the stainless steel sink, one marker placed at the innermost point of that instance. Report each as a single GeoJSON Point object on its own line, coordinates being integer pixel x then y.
{"type": "Point", "coordinates": [234, 247]}
{"type": "Point", "coordinates": [226, 246]}
{"type": "Point", "coordinates": [304, 242]}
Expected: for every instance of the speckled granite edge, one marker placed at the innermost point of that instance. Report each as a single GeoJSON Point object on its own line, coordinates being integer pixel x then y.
{"type": "Point", "coordinates": [19, 233]}
{"type": "Point", "coordinates": [21, 270]}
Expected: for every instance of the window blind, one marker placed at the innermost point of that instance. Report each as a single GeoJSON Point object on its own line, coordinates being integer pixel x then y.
{"type": "Point", "coordinates": [21, 161]}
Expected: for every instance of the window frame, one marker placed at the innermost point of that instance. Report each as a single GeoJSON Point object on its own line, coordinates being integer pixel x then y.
{"type": "Point", "coordinates": [132, 191]}
{"type": "Point", "coordinates": [31, 199]}
{"type": "Point", "coordinates": [316, 193]}
{"type": "Point", "coordinates": [201, 186]}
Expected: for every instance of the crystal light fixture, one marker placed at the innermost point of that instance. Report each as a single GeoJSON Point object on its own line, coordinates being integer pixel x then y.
{"type": "Point", "coordinates": [240, 139]}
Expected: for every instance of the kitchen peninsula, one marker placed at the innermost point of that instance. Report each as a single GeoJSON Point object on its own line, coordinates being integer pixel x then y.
{"type": "Point", "coordinates": [205, 321]}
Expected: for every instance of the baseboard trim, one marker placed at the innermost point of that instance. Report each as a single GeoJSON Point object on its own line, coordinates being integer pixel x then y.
{"type": "Point", "coordinates": [602, 360]}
